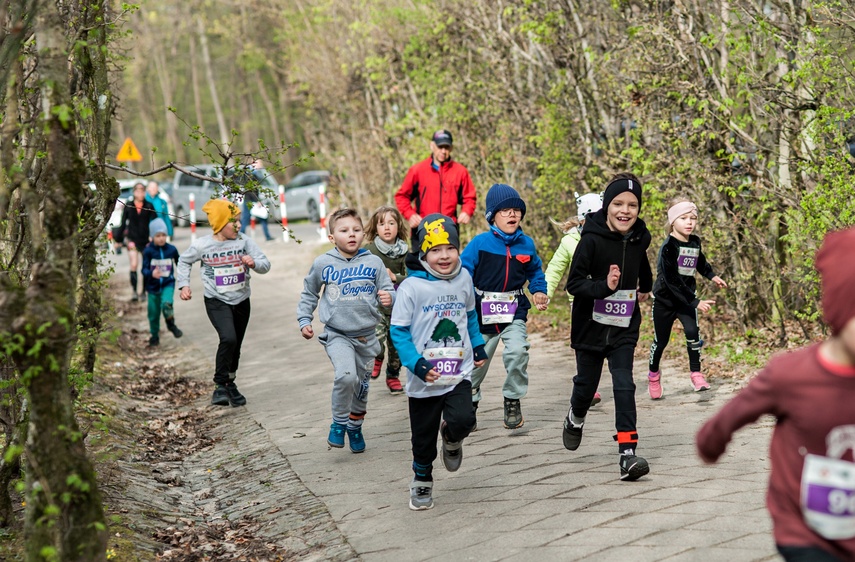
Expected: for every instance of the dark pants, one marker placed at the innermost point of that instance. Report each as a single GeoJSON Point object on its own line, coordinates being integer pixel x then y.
{"type": "Point", "coordinates": [663, 320]}
{"type": "Point", "coordinates": [230, 321]}
{"type": "Point", "coordinates": [455, 408]}
{"type": "Point", "coordinates": [589, 369]}
{"type": "Point", "coordinates": [806, 554]}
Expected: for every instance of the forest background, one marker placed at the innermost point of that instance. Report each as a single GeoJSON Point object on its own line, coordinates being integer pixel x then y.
{"type": "Point", "coordinates": [744, 106]}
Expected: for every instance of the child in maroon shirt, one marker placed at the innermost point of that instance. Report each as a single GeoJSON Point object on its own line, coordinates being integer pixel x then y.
{"type": "Point", "coordinates": [811, 393]}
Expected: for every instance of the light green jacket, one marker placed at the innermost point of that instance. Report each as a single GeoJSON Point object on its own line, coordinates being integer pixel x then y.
{"type": "Point", "coordinates": [560, 262]}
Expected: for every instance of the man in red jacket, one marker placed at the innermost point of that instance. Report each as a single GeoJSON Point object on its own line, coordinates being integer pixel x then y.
{"type": "Point", "coordinates": [437, 185]}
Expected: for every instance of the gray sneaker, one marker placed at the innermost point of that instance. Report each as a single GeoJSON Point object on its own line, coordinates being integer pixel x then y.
{"type": "Point", "coordinates": [452, 451]}
{"type": "Point", "coordinates": [420, 495]}
{"type": "Point", "coordinates": [513, 414]}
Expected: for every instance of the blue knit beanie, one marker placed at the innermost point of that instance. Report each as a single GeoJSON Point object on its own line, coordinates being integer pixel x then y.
{"type": "Point", "coordinates": [500, 197]}
{"type": "Point", "coordinates": [155, 226]}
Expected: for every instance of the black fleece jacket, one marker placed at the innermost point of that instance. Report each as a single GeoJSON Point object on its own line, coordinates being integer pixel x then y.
{"type": "Point", "coordinates": [672, 289]}
{"type": "Point", "coordinates": [598, 249]}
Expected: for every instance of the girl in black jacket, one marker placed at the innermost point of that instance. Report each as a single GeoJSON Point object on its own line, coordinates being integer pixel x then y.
{"type": "Point", "coordinates": [674, 294]}
{"type": "Point", "coordinates": [134, 227]}
{"type": "Point", "coordinates": [608, 277]}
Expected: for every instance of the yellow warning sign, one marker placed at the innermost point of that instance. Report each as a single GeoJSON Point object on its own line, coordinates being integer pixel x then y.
{"type": "Point", "coordinates": [128, 152]}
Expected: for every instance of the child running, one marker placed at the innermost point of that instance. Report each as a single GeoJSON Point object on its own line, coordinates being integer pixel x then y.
{"type": "Point", "coordinates": [387, 239]}
{"type": "Point", "coordinates": [159, 260]}
{"type": "Point", "coordinates": [227, 258]}
{"type": "Point", "coordinates": [609, 276]}
{"type": "Point", "coordinates": [810, 391]}
{"type": "Point", "coordinates": [572, 229]}
{"type": "Point", "coordinates": [435, 328]}
{"type": "Point", "coordinates": [674, 294]}
{"type": "Point", "coordinates": [501, 261]}
{"type": "Point", "coordinates": [353, 281]}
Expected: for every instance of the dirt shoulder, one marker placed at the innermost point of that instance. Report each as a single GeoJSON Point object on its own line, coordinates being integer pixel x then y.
{"type": "Point", "coordinates": [186, 481]}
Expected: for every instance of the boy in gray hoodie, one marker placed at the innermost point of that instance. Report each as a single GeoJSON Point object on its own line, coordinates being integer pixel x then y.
{"type": "Point", "coordinates": [354, 281]}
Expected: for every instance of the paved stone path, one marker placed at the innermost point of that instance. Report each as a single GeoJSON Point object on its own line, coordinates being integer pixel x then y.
{"type": "Point", "coordinates": [518, 493]}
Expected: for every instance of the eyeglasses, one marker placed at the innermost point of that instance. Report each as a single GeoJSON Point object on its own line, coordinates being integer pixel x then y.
{"type": "Point", "coordinates": [510, 212]}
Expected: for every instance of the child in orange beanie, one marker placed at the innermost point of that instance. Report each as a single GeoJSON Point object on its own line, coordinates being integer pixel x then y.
{"type": "Point", "coordinates": [811, 392]}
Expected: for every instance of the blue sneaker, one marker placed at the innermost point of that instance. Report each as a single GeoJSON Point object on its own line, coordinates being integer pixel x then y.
{"type": "Point", "coordinates": [336, 438]}
{"type": "Point", "coordinates": [357, 442]}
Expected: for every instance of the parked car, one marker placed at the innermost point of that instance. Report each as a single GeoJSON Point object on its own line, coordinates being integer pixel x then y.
{"type": "Point", "coordinates": [303, 195]}
{"type": "Point", "coordinates": [203, 190]}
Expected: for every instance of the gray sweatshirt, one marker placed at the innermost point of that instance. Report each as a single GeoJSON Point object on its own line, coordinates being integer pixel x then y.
{"type": "Point", "coordinates": [349, 303]}
{"type": "Point", "coordinates": [223, 275]}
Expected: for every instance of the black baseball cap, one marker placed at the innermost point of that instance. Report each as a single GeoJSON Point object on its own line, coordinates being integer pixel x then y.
{"type": "Point", "coordinates": [442, 138]}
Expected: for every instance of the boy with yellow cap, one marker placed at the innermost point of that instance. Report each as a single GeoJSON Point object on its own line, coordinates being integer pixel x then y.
{"type": "Point", "coordinates": [227, 258]}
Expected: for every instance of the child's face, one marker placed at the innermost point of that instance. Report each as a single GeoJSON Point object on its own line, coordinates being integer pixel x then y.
{"type": "Point", "coordinates": [231, 230]}
{"type": "Point", "coordinates": [622, 213]}
{"type": "Point", "coordinates": [443, 258]}
{"type": "Point", "coordinates": [508, 220]}
{"type": "Point", "coordinates": [139, 193]}
{"type": "Point", "coordinates": [347, 235]}
{"type": "Point", "coordinates": [159, 239]}
{"type": "Point", "coordinates": [387, 228]}
{"type": "Point", "coordinates": [684, 225]}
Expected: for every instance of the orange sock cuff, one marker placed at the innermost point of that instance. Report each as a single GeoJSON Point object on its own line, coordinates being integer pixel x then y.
{"type": "Point", "coordinates": [626, 437]}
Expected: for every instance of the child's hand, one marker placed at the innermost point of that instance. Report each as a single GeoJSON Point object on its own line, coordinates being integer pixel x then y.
{"type": "Point", "coordinates": [613, 277]}
{"type": "Point", "coordinates": [720, 282]}
{"type": "Point", "coordinates": [155, 272]}
{"type": "Point", "coordinates": [704, 306]}
{"type": "Point", "coordinates": [248, 261]}
{"type": "Point", "coordinates": [643, 297]}
{"type": "Point", "coordinates": [307, 332]}
{"type": "Point", "coordinates": [391, 275]}
{"type": "Point", "coordinates": [541, 301]}
{"type": "Point", "coordinates": [185, 294]}
{"type": "Point", "coordinates": [480, 363]}
{"type": "Point", "coordinates": [385, 298]}
{"type": "Point", "coordinates": [432, 376]}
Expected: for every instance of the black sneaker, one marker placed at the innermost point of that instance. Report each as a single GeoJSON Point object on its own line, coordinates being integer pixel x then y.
{"type": "Point", "coordinates": [572, 435]}
{"type": "Point", "coordinates": [452, 451]}
{"type": "Point", "coordinates": [513, 414]}
{"type": "Point", "coordinates": [175, 330]}
{"type": "Point", "coordinates": [632, 467]}
{"type": "Point", "coordinates": [234, 396]}
{"type": "Point", "coordinates": [153, 341]}
{"type": "Point", "coordinates": [135, 298]}
{"type": "Point", "coordinates": [220, 397]}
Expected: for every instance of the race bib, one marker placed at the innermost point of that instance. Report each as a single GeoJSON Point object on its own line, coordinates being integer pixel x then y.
{"type": "Point", "coordinates": [230, 278]}
{"type": "Point", "coordinates": [828, 496]}
{"type": "Point", "coordinates": [165, 267]}
{"type": "Point", "coordinates": [687, 261]}
{"type": "Point", "coordinates": [498, 308]}
{"type": "Point", "coordinates": [615, 310]}
{"type": "Point", "coordinates": [448, 362]}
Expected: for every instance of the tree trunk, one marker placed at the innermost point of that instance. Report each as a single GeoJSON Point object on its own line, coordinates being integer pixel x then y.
{"type": "Point", "coordinates": [212, 84]}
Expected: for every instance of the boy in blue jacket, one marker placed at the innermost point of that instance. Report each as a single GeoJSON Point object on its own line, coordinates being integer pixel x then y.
{"type": "Point", "coordinates": [501, 261]}
{"type": "Point", "coordinates": [159, 260]}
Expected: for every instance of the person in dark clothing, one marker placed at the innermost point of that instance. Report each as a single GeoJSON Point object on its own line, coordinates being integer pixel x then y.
{"type": "Point", "coordinates": [159, 261]}
{"type": "Point", "coordinates": [674, 294]}
{"type": "Point", "coordinates": [133, 232]}
{"type": "Point", "coordinates": [609, 276]}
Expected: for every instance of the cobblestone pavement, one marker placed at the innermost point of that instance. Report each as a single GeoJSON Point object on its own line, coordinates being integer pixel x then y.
{"type": "Point", "coordinates": [518, 492]}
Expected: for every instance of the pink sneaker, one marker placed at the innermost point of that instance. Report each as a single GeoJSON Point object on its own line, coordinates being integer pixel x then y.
{"type": "Point", "coordinates": [699, 383]}
{"type": "Point", "coordinates": [654, 387]}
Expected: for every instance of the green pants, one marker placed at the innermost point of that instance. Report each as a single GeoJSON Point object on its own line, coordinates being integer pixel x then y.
{"type": "Point", "coordinates": [515, 357]}
{"type": "Point", "coordinates": [158, 304]}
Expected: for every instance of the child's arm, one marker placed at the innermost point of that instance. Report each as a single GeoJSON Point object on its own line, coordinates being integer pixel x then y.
{"type": "Point", "coordinates": [309, 300]}
{"type": "Point", "coordinates": [146, 264]}
{"type": "Point", "coordinates": [537, 280]}
{"type": "Point", "coordinates": [385, 288]}
{"type": "Point", "coordinates": [758, 398]}
{"type": "Point", "coordinates": [469, 257]}
{"type": "Point", "coordinates": [257, 261]}
{"type": "Point", "coordinates": [705, 269]}
{"type": "Point", "coordinates": [185, 264]}
{"type": "Point", "coordinates": [559, 263]}
{"type": "Point", "coordinates": [579, 281]}
{"type": "Point", "coordinates": [402, 339]}
{"type": "Point", "coordinates": [645, 279]}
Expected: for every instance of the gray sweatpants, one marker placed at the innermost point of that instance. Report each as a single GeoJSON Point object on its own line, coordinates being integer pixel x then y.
{"type": "Point", "coordinates": [353, 360]}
